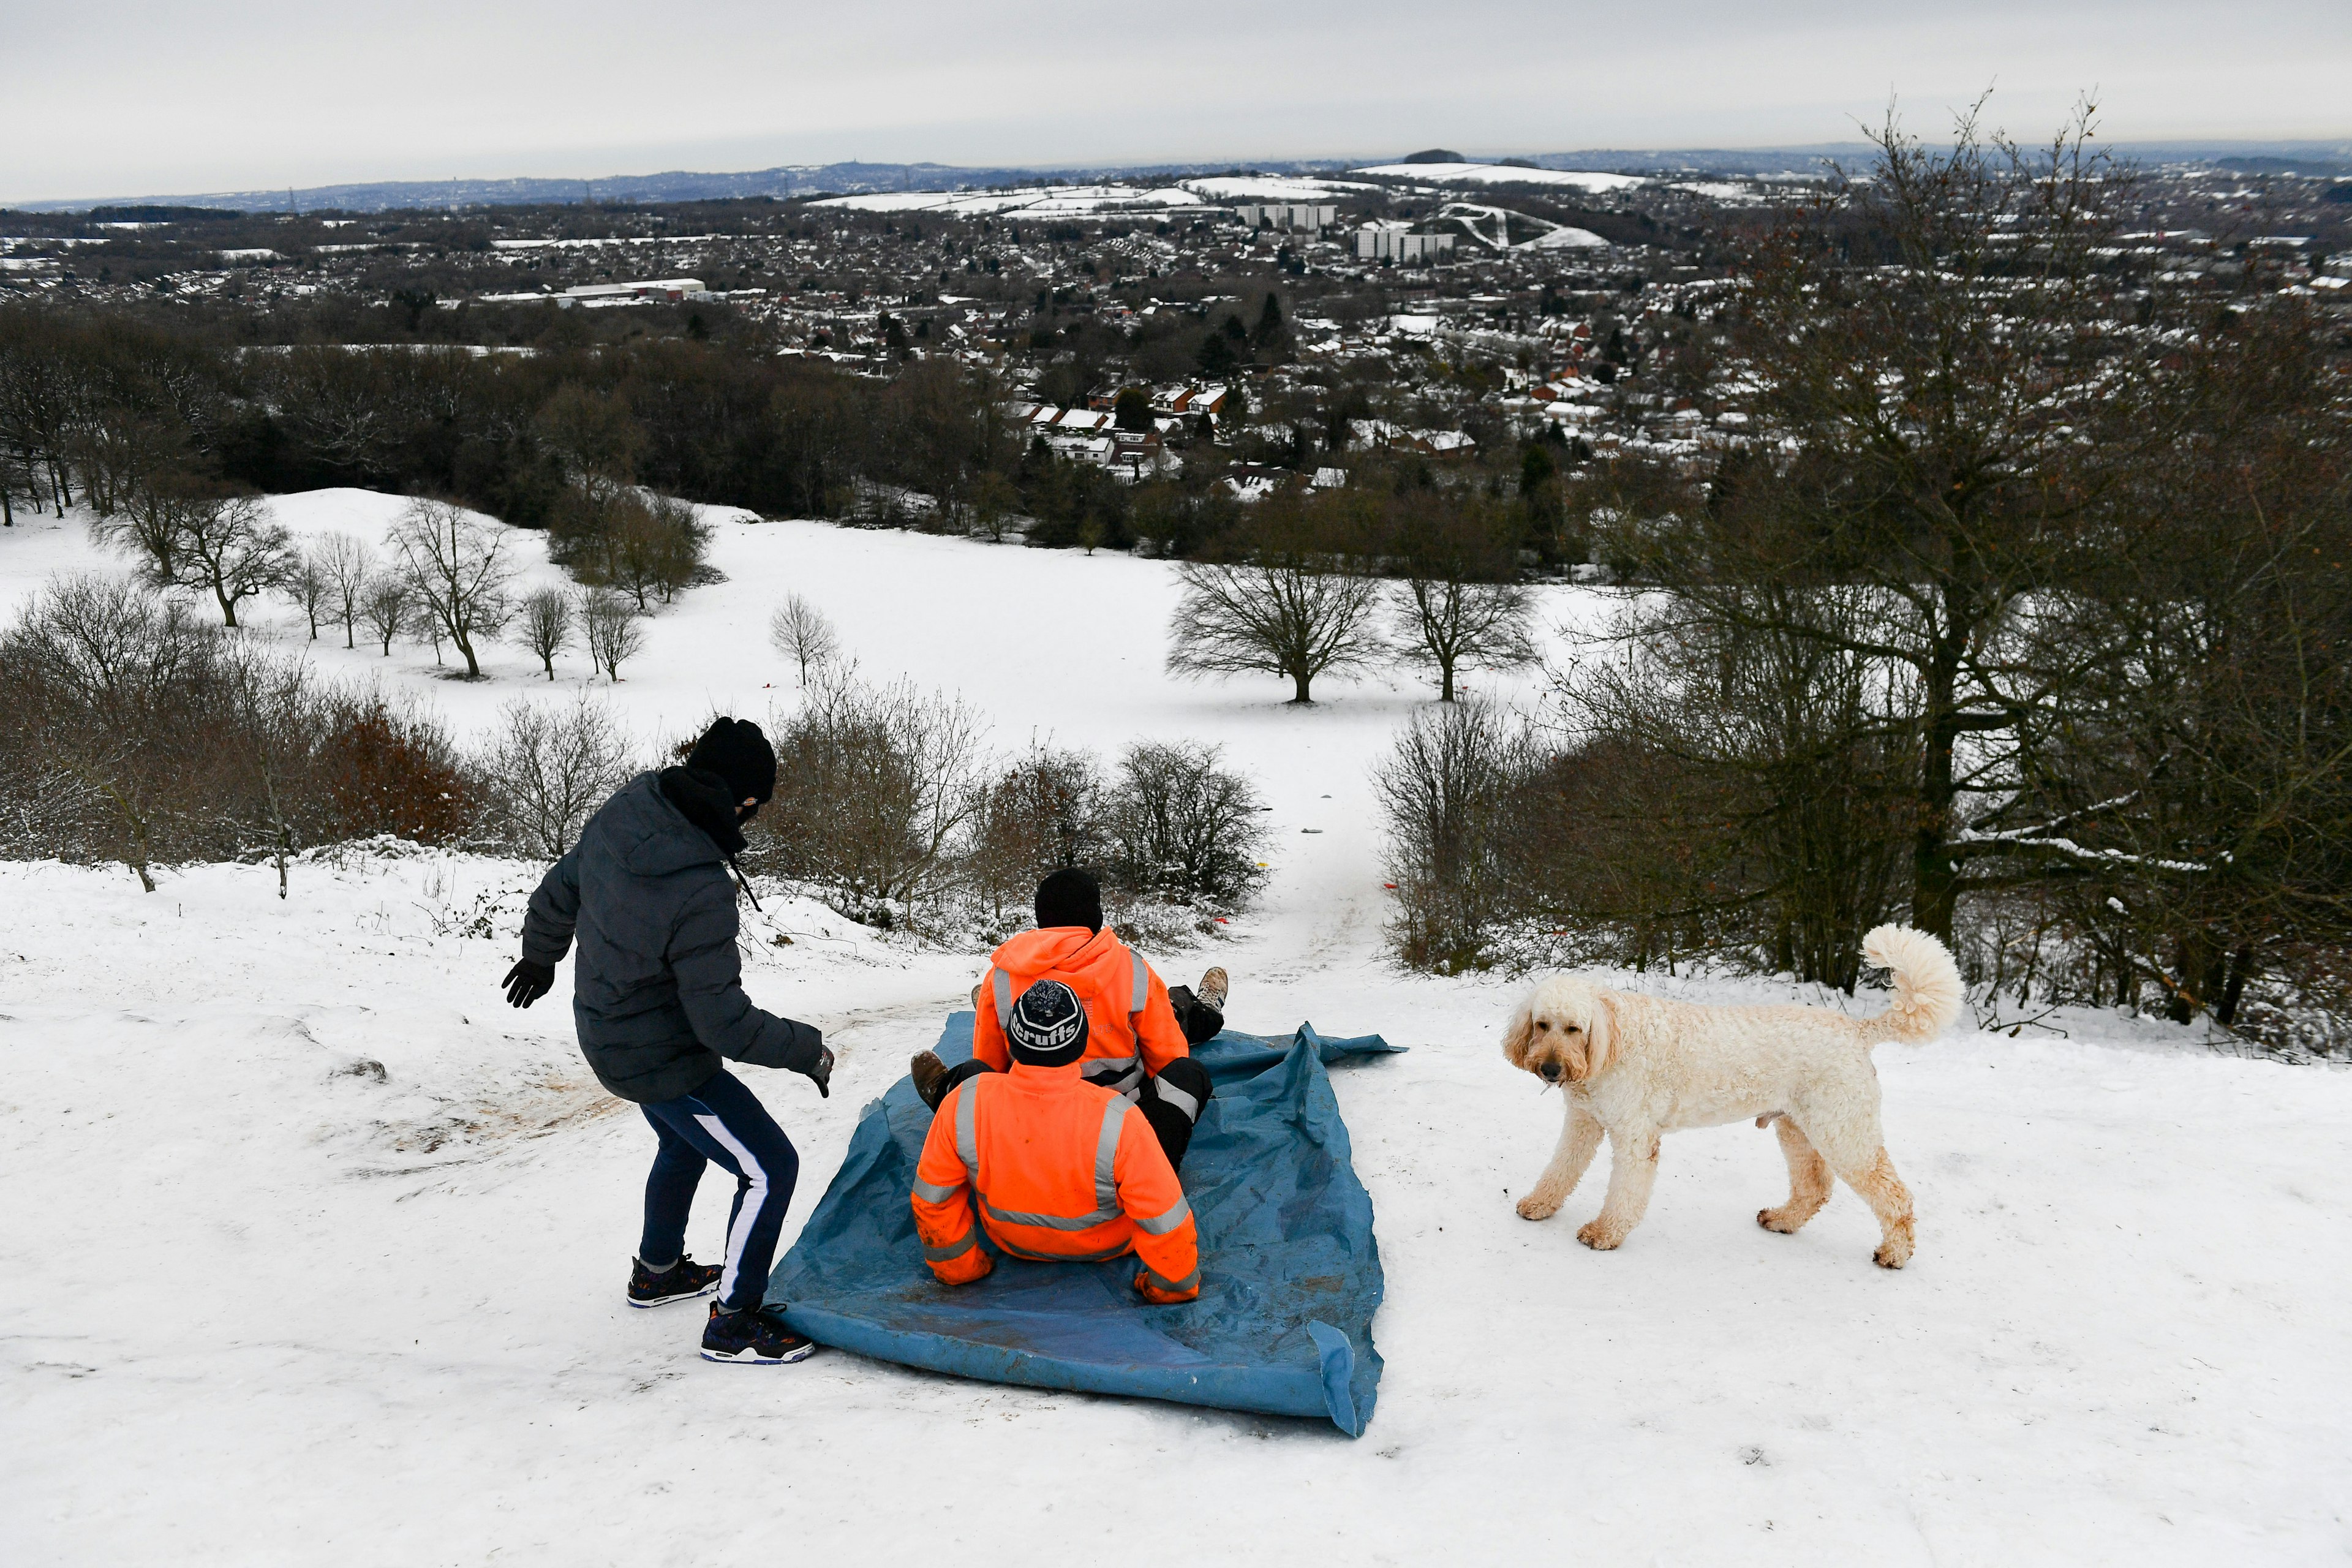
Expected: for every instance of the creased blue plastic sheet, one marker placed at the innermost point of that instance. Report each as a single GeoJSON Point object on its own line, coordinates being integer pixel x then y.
{"type": "Point", "coordinates": [1290, 1274]}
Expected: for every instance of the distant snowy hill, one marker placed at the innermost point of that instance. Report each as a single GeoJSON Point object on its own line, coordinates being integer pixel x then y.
{"type": "Point", "coordinates": [790, 180]}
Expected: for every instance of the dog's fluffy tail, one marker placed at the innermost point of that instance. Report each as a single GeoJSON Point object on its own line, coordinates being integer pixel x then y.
{"type": "Point", "coordinates": [1927, 992]}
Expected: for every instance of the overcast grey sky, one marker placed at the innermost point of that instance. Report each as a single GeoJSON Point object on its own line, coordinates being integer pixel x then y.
{"type": "Point", "coordinates": [138, 96]}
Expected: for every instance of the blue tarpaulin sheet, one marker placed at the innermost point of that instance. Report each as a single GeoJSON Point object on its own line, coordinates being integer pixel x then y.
{"type": "Point", "coordinates": [1290, 1275]}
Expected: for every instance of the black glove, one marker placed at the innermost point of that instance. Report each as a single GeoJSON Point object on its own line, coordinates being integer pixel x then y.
{"type": "Point", "coordinates": [527, 981]}
{"type": "Point", "coordinates": [821, 1075]}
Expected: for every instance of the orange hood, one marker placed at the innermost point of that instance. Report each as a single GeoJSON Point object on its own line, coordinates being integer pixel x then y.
{"type": "Point", "coordinates": [1094, 961]}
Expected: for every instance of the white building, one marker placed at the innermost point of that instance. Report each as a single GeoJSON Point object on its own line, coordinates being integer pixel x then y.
{"type": "Point", "coordinates": [1314, 216]}
{"type": "Point", "coordinates": [1397, 242]}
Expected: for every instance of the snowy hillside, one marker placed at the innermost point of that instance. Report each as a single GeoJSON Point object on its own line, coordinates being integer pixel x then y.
{"type": "Point", "coordinates": [314, 1250]}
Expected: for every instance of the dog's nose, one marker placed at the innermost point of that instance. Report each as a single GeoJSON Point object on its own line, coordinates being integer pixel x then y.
{"type": "Point", "coordinates": [1550, 1071]}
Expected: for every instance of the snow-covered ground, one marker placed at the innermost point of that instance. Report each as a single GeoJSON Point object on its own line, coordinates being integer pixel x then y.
{"type": "Point", "coordinates": [248, 1147]}
{"type": "Point", "coordinates": [1503, 174]}
{"type": "Point", "coordinates": [1033, 201]}
{"type": "Point", "coordinates": [1273, 188]}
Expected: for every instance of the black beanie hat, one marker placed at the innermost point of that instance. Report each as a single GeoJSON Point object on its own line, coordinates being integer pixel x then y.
{"type": "Point", "coordinates": [1048, 1027]}
{"type": "Point", "coordinates": [1069, 897]}
{"type": "Point", "coordinates": [737, 751]}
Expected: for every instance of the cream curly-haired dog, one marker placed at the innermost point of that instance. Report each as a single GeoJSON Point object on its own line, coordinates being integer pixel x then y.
{"type": "Point", "coordinates": [1639, 1066]}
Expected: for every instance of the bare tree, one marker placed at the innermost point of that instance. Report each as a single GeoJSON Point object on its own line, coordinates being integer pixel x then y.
{"type": "Point", "coordinates": [306, 586]}
{"type": "Point", "coordinates": [800, 632]}
{"type": "Point", "coordinates": [148, 526]}
{"type": "Point", "coordinates": [1458, 603]}
{"type": "Point", "coordinates": [1299, 613]}
{"type": "Point", "coordinates": [224, 545]}
{"type": "Point", "coordinates": [348, 564]}
{"type": "Point", "coordinates": [545, 625]}
{"type": "Point", "coordinates": [550, 766]}
{"type": "Point", "coordinates": [386, 607]}
{"type": "Point", "coordinates": [457, 567]}
{"type": "Point", "coordinates": [230, 548]}
{"type": "Point", "coordinates": [1957, 419]}
{"type": "Point", "coordinates": [609, 625]}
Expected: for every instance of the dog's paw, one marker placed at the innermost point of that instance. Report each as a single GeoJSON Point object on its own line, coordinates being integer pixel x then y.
{"type": "Point", "coordinates": [1537, 1207]}
{"type": "Point", "coordinates": [1600, 1238]}
{"type": "Point", "coordinates": [1775, 1220]}
{"type": "Point", "coordinates": [1893, 1255]}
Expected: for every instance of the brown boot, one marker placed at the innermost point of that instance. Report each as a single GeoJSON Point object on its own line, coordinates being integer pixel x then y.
{"type": "Point", "coordinates": [1211, 990]}
{"type": "Point", "coordinates": [928, 1072]}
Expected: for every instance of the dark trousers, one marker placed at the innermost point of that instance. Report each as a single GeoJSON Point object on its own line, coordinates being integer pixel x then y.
{"type": "Point", "coordinates": [720, 1122]}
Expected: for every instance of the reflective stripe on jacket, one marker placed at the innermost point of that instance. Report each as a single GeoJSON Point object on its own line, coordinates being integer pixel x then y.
{"type": "Point", "coordinates": [1061, 1171]}
{"type": "Point", "coordinates": [1131, 1028]}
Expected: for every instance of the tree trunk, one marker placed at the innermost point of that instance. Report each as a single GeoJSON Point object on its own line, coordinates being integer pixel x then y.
{"type": "Point", "coordinates": [1299, 680]}
{"type": "Point", "coordinates": [227, 605]}
{"type": "Point", "coordinates": [466, 646]}
{"type": "Point", "coordinates": [1935, 875]}
{"type": "Point", "coordinates": [2241, 968]}
{"type": "Point", "coordinates": [1445, 680]}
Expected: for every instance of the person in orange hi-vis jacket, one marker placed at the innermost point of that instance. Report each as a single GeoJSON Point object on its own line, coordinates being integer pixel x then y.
{"type": "Point", "coordinates": [1141, 1033]}
{"type": "Point", "coordinates": [1051, 1166]}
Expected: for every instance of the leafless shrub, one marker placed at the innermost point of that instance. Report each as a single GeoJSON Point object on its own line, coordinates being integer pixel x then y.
{"type": "Point", "coordinates": [1181, 828]}
{"type": "Point", "coordinates": [875, 788]}
{"type": "Point", "coordinates": [1448, 792]}
{"type": "Point", "coordinates": [549, 767]}
{"type": "Point", "coordinates": [1040, 814]}
{"type": "Point", "coordinates": [153, 737]}
{"type": "Point", "coordinates": [617, 536]}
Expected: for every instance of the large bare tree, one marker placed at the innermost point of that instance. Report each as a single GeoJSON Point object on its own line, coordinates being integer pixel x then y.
{"type": "Point", "coordinates": [1297, 604]}
{"type": "Point", "coordinates": [457, 569]}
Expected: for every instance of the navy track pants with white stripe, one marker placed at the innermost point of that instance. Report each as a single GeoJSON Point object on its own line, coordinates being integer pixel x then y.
{"type": "Point", "coordinates": [723, 1123]}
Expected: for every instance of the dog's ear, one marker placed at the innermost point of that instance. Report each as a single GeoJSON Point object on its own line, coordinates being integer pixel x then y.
{"type": "Point", "coordinates": [1521, 1031]}
{"type": "Point", "coordinates": [1600, 1033]}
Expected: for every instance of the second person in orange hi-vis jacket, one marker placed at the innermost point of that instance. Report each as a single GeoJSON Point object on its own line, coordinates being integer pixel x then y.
{"type": "Point", "coordinates": [1050, 1166]}
{"type": "Point", "coordinates": [1140, 1031]}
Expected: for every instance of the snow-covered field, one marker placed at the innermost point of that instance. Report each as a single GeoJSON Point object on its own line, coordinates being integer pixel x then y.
{"type": "Point", "coordinates": [1034, 201]}
{"type": "Point", "coordinates": [1503, 174]}
{"type": "Point", "coordinates": [1273, 188]}
{"type": "Point", "coordinates": [248, 1148]}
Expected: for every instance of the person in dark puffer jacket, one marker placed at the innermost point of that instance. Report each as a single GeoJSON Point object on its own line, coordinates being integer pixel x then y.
{"type": "Point", "coordinates": [657, 997]}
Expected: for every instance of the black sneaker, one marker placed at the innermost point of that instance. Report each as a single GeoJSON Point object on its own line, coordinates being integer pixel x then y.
{"type": "Point", "coordinates": [755, 1334]}
{"type": "Point", "coordinates": [680, 1281]}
